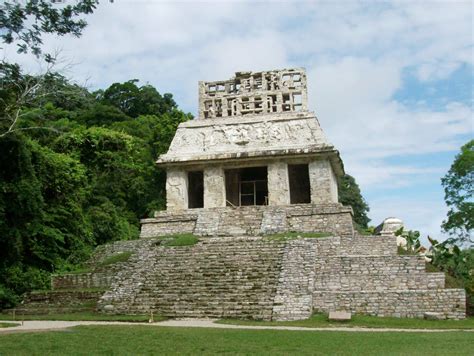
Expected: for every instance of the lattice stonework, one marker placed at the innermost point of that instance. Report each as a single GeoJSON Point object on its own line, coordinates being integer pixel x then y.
{"type": "Point", "coordinates": [254, 93]}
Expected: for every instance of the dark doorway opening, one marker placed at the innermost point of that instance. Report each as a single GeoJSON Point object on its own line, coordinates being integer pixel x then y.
{"type": "Point", "coordinates": [195, 189]}
{"type": "Point", "coordinates": [246, 186]}
{"type": "Point", "coordinates": [300, 191]}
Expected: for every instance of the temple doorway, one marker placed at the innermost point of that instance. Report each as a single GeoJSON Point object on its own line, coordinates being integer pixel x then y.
{"type": "Point", "coordinates": [298, 176]}
{"type": "Point", "coordinates": [246, 186]}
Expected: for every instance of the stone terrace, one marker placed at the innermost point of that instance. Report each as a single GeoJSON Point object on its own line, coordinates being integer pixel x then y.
{"type": "Point", "coordinates": [255, 278]}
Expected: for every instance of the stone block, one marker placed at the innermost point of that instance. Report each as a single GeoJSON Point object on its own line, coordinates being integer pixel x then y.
{"type": "Point", "coordinates": [339, 316]}
{"type": "Point", "coordinates": [433, 316]}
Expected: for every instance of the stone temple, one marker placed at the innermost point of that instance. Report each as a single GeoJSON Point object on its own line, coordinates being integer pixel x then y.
{"type": "Point", "coordinates": [254, 166]}
{"type": "Point", "coordinates": [254, 162]}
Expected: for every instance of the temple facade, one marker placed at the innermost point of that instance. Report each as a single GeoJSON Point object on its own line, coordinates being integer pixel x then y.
{"type": "Point", "coordinates": [254, 144]}
{"type": "Point", "coordinates": [254, 163]}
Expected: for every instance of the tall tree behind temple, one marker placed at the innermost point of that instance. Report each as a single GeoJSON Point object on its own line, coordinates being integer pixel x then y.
{"type": "Point", "coordinates": [459, 192]}
{"type": "Point", "coordinates": [350, 194]}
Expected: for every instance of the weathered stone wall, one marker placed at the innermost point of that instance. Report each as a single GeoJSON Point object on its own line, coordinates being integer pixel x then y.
{"type": "Point", "coordinates": [323, 182]}
{"type": "Point", "coordinates": [60, 301]}
{"type": "Point", "coordinates": [368, 245]}
{"type": "Point", "coordinates": [294, 295]}
{"type": "Point", "coordinates": [365, 275]}
{"type": "Point", "coordinates": [253, 220]}
{"type": "Point", "coordinates": [333, 186]}
{"type": "Point", "coordinates": [359, 273]}
{"type": "Point", "coordinates": [61, 298]}
{"type": "Point", "coordinates": [176, 189]}
{"type": "Point", "coordinates": [82, 280]}
{"type": "Point", "coordinates": [169, 223]}
{"type": "Point", "coordinates": [214, 187]}
{"type": "Point", "coordinates": [396, 303]}
{"type": "Point", "coordinates": [323, 218]}
{"type": "Point", "coordinates": [278, 184]}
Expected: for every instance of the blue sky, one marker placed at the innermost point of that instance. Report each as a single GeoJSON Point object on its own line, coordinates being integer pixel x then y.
{"type": "Point", "coordinates": [390, 82]}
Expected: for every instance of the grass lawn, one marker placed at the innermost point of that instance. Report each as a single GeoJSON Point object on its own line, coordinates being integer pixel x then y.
{"type": "Point", "coordinates": [82, 316]}
{"type": "Point", "coordinates": [8, 325]}
{"type": "Point", "coordinates": [321, 321]}
{"type": "Point", "coordinates": [153, 340]}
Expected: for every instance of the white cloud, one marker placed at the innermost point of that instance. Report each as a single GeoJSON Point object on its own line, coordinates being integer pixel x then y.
{"type": "Point", "coordinates": [355, 54]}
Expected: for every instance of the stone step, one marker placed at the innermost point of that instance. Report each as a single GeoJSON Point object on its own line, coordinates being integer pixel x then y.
{"type": "Point", "coordinates": [357, 265]}
{"type": "Point", "coordinates": [371, 282]}
{"type": "Point", "coordinates": [369, 245]}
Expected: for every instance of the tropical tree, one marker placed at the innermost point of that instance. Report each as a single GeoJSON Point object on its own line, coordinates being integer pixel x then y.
{"type": "Point", "coordinates": [458, 186]}
{"type": "Point", "coordinates": [26, 22]}
{"type": "Point", "coordinates": [134, 101]}
{"type": "Point", "coordinates": [350, 194]}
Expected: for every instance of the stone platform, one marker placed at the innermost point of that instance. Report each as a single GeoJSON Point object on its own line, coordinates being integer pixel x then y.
{"type": "Point", "coordinates": [331, 218]}
{"type": "Point", "coordinates": [253, 277]}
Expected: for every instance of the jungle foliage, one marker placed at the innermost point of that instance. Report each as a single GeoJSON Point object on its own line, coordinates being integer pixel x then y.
{"type": "Point", "coordinates": [350, 194]}
{"type": "Point", "coordinates": [26, 22]}
{"type": "Point", "coordinates": [458, 186]}
{"type": "Point", "coordinates": [76, 171]}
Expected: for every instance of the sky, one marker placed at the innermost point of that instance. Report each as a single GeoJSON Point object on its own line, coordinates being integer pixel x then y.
{"type": "Point", "coordinates": [390, 82]}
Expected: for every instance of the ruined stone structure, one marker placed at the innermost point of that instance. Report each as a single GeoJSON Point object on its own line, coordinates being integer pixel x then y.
{"type": "Point", "coordinates": [255, 163]}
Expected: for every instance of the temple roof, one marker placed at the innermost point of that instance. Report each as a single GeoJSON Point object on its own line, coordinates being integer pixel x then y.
{"type": "Point", "coordinates": [240, 120]}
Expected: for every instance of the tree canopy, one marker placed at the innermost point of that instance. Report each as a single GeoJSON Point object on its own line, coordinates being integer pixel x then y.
{"type": "Point", "coordinates": [458, 186]}
{"type": "Point", "coordinates": [26, 22]}
{"type": "Point", "coordinates": [84, 181]}
{"type": "Point", "coordinates": [350, 194]}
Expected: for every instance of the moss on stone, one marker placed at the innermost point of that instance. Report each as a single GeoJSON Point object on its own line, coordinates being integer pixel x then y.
{"type": "Point", "coordinates": [119, 257]}
{"type": "Point", "coordinates": [295, 235]}
{"type": "Point", "coordinates": [179, 240]}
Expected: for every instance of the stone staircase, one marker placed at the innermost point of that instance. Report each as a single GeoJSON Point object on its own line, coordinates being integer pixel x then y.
{"type": "Point", "coordinates": [218, 277]}
{"type": "Point", "coordinates": [251, 277]}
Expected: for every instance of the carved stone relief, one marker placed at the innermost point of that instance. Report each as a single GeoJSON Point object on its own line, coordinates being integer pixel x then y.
{"type": "Point", "coordinates": [241, 137]}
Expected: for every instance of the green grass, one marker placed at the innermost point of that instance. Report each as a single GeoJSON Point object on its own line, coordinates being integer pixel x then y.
{"type": "Point", "coordinates": [83, 316]}
{"type": "Point", "coordinates": [321, 321]}
{"type": "Point", "coordinates": [119, 257]}
{"type": "Point", "coordinates": [179, 240]}
{"type": "Point", "coordinates": [153, 340]}
{"type": "Point", "coordinates": [8, 325]}
{"type": "Point", "coordinates": [294, 235]}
